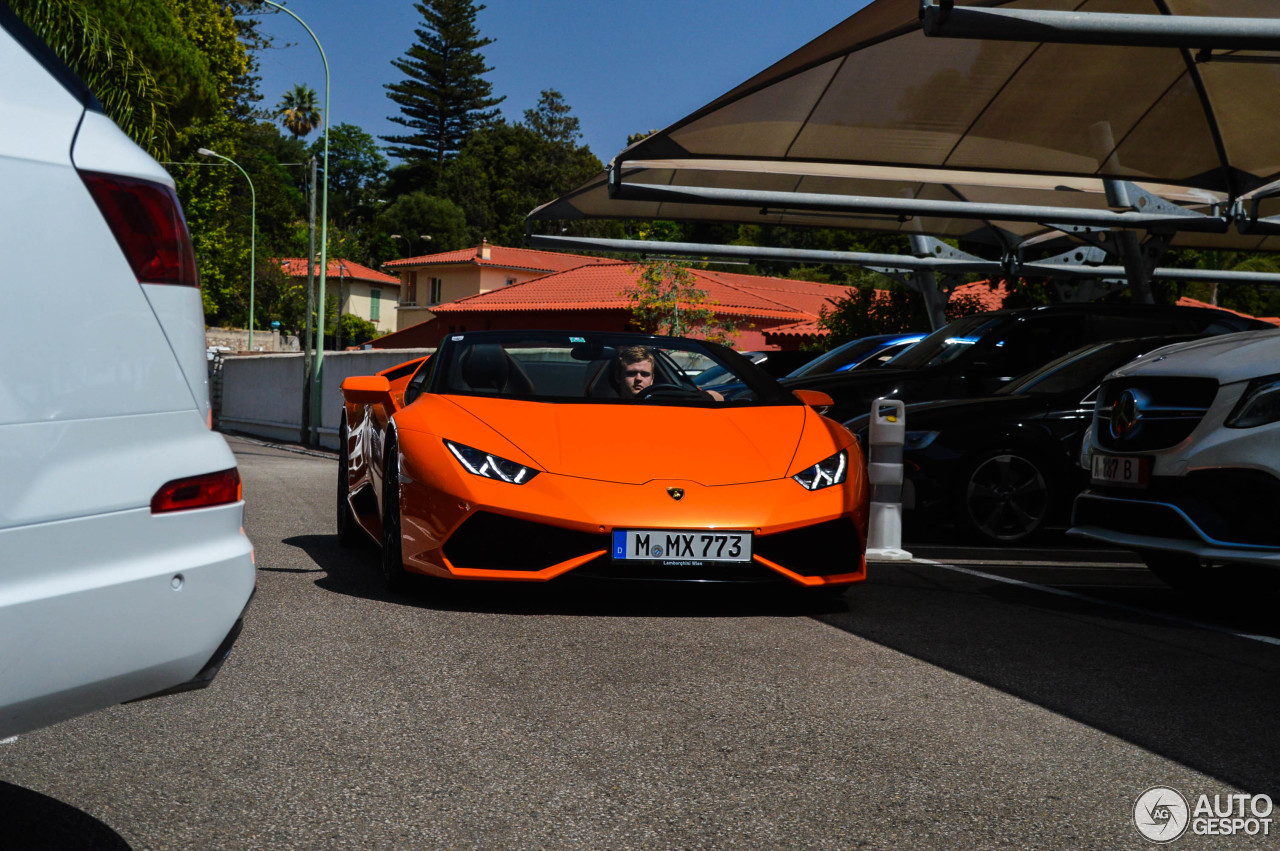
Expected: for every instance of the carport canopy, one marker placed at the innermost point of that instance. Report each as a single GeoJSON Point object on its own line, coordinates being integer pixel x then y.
{"type": "Point", "coordinates": [877, 125]}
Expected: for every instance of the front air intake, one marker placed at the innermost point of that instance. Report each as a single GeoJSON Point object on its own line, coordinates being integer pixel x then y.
{"type": "Point", "coordinates": [488, 541]}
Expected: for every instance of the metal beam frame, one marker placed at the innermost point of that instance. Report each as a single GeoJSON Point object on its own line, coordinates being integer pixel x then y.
{"type": "Point", "coordinates": [1063, 266]}
{"type": "Point", "coordinates": [1194, 32]}
{"type": "Point", "coordinates": [1165, 215]}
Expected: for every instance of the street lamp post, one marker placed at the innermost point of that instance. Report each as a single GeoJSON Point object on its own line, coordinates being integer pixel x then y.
{"type": "Point", "coordinates": [253, 230]}
{"type": "Point", "coordinates": [314, 378]}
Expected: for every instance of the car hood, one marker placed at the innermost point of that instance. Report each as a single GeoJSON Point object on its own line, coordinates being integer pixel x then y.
{"type": "Point", "coordinates": [1226, 357]}
{"type": "Point", "coordinates": [637, 443]}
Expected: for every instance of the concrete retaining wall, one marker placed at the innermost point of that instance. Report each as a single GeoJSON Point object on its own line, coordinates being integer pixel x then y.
{"type": "Point", "coordinates": [262, 394]}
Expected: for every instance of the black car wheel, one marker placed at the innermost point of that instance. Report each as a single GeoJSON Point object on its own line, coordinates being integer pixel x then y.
{"type": "Point", "coordinates": [1006, 497]}
{"type": "Point", "coordinates": [349, 533]}
{"type": "Point", "coordinates": [393, 572]}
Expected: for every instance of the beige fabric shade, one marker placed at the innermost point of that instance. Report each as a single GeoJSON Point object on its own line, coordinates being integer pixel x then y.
{"type": "Point", "coordinates": [874, 107]}
{"type": "Point", "coordinates": [876, 90]}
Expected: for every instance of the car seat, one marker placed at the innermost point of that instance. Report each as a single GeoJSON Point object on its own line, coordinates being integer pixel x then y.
{"type": "Point", "coordinates": [487, 368]}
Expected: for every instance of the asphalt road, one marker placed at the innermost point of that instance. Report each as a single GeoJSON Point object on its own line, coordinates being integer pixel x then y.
{"type": "Point", "coordinates": [966, 700]}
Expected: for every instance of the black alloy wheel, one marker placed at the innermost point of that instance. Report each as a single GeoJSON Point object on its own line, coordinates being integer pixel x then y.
{"type": "Point", "coordinates": [1006, 497]}
{"type": "Point", "coordinates": [349, 532]}
{"type": "Point", "coordinates": [393, 572]}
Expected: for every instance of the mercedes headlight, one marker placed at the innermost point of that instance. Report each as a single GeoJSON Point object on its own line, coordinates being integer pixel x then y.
{"type": "Point", "coordinates": [490, 466]}
{"type": "Point", "coordinates": [831, 471]}
{"type": "Point", "coordinates": [1259, 405]}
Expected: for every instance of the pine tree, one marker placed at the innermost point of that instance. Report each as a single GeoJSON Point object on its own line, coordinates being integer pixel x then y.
{"type": "Point", "coordinates": [445, 95]}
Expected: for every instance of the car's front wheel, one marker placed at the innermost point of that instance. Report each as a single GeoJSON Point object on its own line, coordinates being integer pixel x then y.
{"type": "Point", "coordinates": [1006, 497]}
{"type": "Point", "coordinates": [393, 572]}
{"type": "Point", "coordinates": [349, 534]}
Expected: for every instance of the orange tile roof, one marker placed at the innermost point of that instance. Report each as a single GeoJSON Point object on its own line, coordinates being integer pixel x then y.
{"type": "Point", "coordinates": [807, 328]}
{"type": "Point", "coordinates": [501, 257]}
{"type": "Point", "coordinates": [1187, 301]}
{"type": "Point", "coordinates": [601, 286]}
{"type": "Point", "coordinates": [296, 267]}
{"type": "Point", "coordinates": [990, 297]}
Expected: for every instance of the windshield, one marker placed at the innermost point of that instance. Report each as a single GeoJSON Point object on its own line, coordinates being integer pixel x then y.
{"type": "Point", "coordinates": [947, 343]}
{"type": "Point", "coordinates": [854, 353]}
{"type": "Point", "coordinates": [594, 368]}
{"type": "Point", "coordinates": [1078, 372]}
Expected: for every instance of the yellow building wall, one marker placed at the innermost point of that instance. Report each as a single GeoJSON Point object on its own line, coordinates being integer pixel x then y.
{"type": "Point", "coordinates": [456, 282]}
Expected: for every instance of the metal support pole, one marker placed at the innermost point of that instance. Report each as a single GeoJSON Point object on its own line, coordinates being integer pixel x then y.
{"type": "Point", "coordinates": [324, 232]}
{"type": "Point", "coordinates": [926, 283]}
{"type": "Point", "coordinates": [308, 375]}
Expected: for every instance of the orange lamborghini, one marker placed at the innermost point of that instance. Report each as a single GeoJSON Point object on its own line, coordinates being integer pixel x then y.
{"type": "Point", "coordinates": [529, 455]}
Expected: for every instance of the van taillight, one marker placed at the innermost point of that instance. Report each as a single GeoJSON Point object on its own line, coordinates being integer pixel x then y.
{"type": "Point", "coordinates": [147, 221]}
{"type": "Point", "coordinates": [198, 492]}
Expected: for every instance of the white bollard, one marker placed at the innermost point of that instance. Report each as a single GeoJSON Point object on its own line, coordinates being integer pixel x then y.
{"type": "Point", "coordinates": [884, 472]}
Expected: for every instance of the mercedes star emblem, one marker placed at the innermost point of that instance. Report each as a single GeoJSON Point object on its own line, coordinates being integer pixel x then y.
{"type": "Point", "coordinates": [1126, 415]}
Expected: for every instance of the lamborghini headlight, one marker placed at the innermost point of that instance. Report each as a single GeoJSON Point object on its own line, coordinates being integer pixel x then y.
{"type": "Point", "coordinates": [490, 466]}
{"type": "Point", "coordinates": [1260, 404]}
{"type": "Point", "coordinates": [831, 471]}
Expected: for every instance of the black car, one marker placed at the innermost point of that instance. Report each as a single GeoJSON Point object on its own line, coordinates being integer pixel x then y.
{"type": "Point", "coordinates": [1006, 466]}
{"type": "Point", "coordinates": [976, 354]}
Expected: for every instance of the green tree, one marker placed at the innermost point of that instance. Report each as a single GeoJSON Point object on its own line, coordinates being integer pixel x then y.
{"type": "Point", "coordinates": [355, 332]}
{"type": "Point", "coordinates": [553, 120]}
{"type": "Point", "coordinates": [356, 169]}
{"type": "Point", "coordinates": [298, 110]}
{"type": "Point", "coordinates": [444, 95]}
{"type": "Point", "coordinates": [505, 170]}
{"type": "Point", "coordinates": [157, 66]}
{"type": "Point", "coordinates": [876, 305]}
{"type": "Point", "coordinates": [419, 213]}
{"type": "Point", "coordinates": [666, 299]}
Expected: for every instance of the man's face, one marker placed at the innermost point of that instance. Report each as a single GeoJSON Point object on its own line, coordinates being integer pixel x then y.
{"type": "Point", "coordinates": [637, 376]}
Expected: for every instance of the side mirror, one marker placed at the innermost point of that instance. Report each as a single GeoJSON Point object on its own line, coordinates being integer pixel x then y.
{"type": "Point", "coordinates": [366, 389]}
{"type": "Point", "coordinates": [815, 399]}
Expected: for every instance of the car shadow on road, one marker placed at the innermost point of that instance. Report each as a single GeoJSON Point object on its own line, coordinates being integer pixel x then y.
{"type": "Point", "coordinates": [355, 572]}
{"type": "Point", "coordinates": [1205, 699]}
{"type": "Point", "coordinates": [36, 822]}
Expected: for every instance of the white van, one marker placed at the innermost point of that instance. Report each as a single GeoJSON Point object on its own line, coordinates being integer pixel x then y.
{"type": "Point", "coordinates": [124, 567]}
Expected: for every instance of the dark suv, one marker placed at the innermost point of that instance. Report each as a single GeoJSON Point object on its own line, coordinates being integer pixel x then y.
{"type": "Point", "coordinates": [976, 354]}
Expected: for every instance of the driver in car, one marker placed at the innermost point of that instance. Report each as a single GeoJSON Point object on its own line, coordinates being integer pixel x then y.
{"type": "Point", "coordinates": [633, 373]}
{"type": "Point", "coordinates": [633, 370]}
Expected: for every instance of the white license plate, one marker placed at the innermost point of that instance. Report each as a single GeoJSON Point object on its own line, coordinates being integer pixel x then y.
{"type": "Point", "coordinates": [680, 545]}
{"type": "Point", "coordinates": [1121, 469]}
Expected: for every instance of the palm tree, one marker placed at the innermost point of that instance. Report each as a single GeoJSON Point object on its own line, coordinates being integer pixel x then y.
{"type": "Point", "coordinates": [298, 111]}
{"type": "Point", "coordinates": [105, 61]}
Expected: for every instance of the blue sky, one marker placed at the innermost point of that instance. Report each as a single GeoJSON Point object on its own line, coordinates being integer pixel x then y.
{"type": "Point", "coordinates": [622, 67]}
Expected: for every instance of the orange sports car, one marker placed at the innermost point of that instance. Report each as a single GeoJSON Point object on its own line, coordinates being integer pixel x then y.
{"type": "Point", "coordinates": [529, 455]}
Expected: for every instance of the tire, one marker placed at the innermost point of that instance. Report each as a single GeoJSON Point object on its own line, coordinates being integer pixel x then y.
{"type": "Point", "coordinates": [349, 532]}
{"type": "Point", "coordinates": [393, 572]}
{"type": "Point", "coordinates": [1006, 497]}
